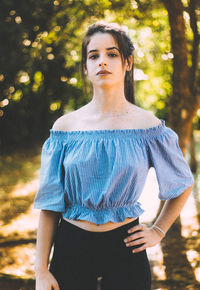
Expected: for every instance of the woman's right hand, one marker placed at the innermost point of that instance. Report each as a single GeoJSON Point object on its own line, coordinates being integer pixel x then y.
{"type": "Point", "coordinates": [46, 281]}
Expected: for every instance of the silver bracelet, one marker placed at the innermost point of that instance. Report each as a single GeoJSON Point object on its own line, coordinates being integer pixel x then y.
{"type": "Point", "coordinates": [159, 229]}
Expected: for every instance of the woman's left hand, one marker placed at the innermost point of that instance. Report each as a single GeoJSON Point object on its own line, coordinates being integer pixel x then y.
{"type": "Point", "coordinates": [148, 237]}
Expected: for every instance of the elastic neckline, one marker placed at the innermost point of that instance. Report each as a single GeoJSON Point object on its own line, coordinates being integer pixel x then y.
{"type": "Point", "coordinates": [111, 131]}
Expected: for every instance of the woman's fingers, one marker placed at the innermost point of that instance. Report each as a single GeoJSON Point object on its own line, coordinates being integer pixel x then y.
{"type": "Point", "coordinates": [55, 286]}
{"type": "Point", "coordinates": [136, 228]}
{"type": "Point", "coordinates": [141, 235]}
{"type": "Point", "coordinates": [139, 249]}
{"type": "Point", "coordinates": [136, 242]}
{"type": "Point", "coordinates": [139, 229]}
{"type": "Point", "coordinates": [134, 236]}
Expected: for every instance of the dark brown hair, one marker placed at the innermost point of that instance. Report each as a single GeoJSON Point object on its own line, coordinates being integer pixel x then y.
{"type": "Point", "coordinates": [126, 50]}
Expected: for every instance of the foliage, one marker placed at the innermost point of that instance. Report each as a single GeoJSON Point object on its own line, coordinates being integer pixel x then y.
{"type": "Point", "coordinates": [40, 60]}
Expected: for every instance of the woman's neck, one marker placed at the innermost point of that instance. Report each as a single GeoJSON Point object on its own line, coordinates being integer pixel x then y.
{"type": "Point", "coordinates": [109, 101]}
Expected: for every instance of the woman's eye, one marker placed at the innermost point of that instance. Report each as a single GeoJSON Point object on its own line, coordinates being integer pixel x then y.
{"type": "Point", "coordinates": [93, 56]}
{"type": "Point", "coordinates": [112, 54]}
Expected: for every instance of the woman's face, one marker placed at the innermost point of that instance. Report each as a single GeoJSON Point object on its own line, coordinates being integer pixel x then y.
{"type": "Point", "coordinates": [103, 54]}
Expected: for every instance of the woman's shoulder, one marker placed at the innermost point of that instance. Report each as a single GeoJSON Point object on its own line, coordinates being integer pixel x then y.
{"type": "Point", "coordinates": [64, 122]}
{"type": "Point", "coordinates": [139, 118]}
{"type": "Point", "coordinates": [145, 119]}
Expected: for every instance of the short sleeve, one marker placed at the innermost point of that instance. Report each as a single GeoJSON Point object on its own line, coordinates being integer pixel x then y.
{"type": "Point", "coordinates": [50, 195]}
{"type": "Point", "coordinates": [172, 170]}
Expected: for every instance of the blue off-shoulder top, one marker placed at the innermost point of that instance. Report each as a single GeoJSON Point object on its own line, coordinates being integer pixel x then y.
{"type": "Point", "coordinates": [98, 175]}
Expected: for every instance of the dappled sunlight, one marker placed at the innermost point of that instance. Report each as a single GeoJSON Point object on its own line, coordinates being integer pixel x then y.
{"type": "Point", "coordinates": [18, 170]}
{"type": "Point", "coordinates": [41, 79]}
{"type": "Point", "coordinates": [24, 189]}
{"type": "Point", "coordinates": [197, 273]}
{"type": "Point", "coordinates": [155, 255]}
{"type": "Point", "coordinates": [17, 203]}
{"type": "Point", "coordinates": [188, 216]}
{"type": "Point", "coordinates": [18, 252]}
{"type": "Point", "coordinates": [18, 260]}
{"type": "Point", "coordinates": [24, 224]}
{"type": "Point", "coordinates": [190, 230]}
{"type": "Point", "coordinates": [18, 184]}
{"type": "Point", "coordinates": [13, 207]}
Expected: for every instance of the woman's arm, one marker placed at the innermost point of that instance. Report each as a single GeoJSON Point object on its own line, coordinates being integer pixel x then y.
{"type": "Point", "coordinates": [48, 223]}
{"type": "Point", "coordinates": [149, 237]}
{"type": "Point", "coordinates": [171, 210]}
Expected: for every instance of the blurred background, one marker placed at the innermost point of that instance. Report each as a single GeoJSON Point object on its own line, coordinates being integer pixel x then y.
{"type": "Point", "coordinates": [40, 47]}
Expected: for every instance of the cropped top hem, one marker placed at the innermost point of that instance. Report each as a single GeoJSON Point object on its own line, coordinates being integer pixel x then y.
{"type": "Point", "coordinates": [104, 215]}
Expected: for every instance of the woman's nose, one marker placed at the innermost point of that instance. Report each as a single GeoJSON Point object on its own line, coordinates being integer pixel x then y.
{"type": "Point", "coordinates": [102, 64]}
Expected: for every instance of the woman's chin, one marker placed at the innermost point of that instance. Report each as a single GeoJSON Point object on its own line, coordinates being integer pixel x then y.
{"type": "Point", "coordinates": [106, 84]}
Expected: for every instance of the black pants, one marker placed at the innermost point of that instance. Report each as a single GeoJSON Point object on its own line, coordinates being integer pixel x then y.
{"type": "Point", "coordinates": [80, 256]}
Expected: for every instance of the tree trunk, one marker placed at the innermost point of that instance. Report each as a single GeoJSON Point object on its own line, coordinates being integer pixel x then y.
{"type": "Point", "coordinates": [195, 47]}
{"type": "Point", "coordinates": [193, 161]}
{"type": "Point", "coordinates": [182, 102]}
{"type": "Point", "coordinates": [183, 106]}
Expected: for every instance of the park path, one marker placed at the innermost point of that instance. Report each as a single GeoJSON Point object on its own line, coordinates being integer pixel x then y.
{"type": "Point", "coordinates": [175, 263]}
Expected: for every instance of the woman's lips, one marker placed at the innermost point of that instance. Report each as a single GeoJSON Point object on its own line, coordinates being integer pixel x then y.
{"type": "Point", "coordinates": [103, 72]}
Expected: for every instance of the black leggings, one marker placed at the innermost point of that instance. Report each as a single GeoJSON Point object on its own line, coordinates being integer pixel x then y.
{"type": "Point", "coordinates": [80, 256]}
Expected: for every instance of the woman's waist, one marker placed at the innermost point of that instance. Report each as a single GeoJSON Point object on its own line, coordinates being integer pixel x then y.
{"type": "Point", "coordinates": [102, 219]}
{"type": "Point", "coordinates": [90, 226]}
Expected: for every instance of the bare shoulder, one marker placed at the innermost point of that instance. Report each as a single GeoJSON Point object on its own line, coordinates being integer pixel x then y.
{"type": "Point", "coordinates": [152, 119]}
{"type": "Point", "coordinates": [64, 122]}
{"type": "Point", "coordinates": [146, 118]}
{"type": "Point", "coordinates": [70, 121]}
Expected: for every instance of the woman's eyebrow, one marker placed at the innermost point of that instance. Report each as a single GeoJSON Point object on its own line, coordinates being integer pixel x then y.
{"type": "Point", "coordinates": [109, 48]}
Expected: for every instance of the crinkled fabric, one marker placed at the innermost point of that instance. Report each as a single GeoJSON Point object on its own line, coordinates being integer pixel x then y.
{"type": "Point", "coordinates": [99, 175]}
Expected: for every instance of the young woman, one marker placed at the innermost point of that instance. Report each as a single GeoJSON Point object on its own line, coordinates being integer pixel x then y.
{"type": "Point", "coordinates": [93, 169]}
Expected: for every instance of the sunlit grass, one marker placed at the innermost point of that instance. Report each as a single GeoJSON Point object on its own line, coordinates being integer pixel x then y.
{"type": "Point", "coordinates": [18, 260]}
{"type": "Point", "coordinates": [18, 169]}
{"type": "Point", "coordinates": [18, 181]}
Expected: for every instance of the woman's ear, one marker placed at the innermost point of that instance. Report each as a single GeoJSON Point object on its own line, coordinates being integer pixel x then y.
{"type": "Point", "coordinates": [129, 66]}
